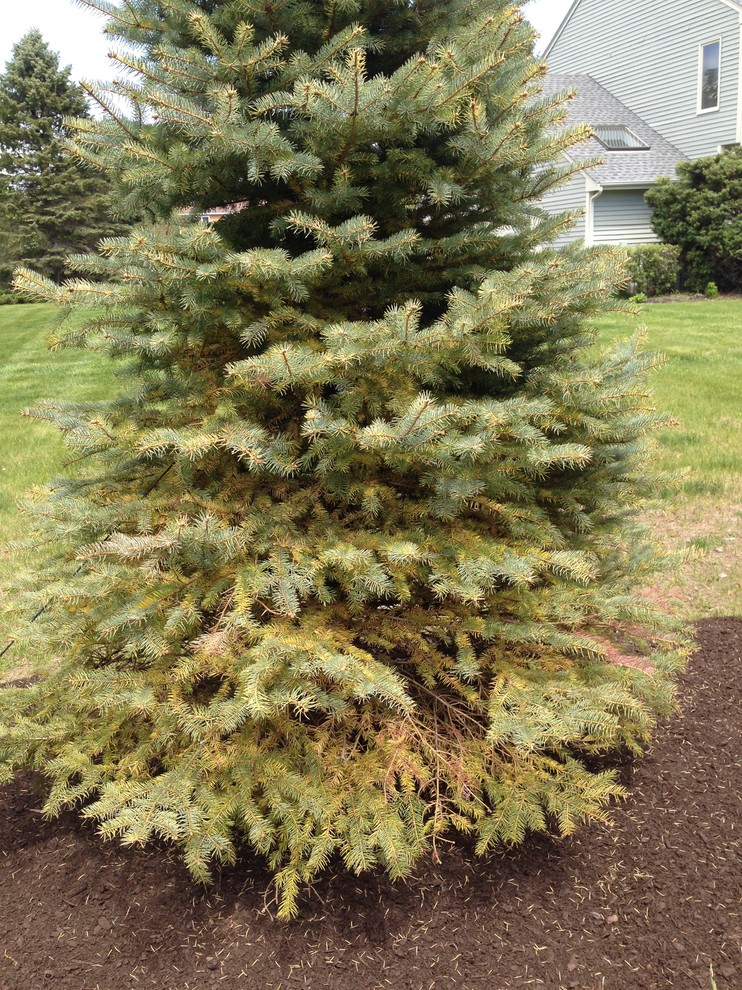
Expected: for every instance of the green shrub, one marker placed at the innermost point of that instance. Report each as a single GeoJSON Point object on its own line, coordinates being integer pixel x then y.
{"type": "Point", "coordinates": [711, 291]}
{"type": "Point", "coordinates": [701, 213]}
{"type": "Point", "coordinates": [10, 298]}
{"type": "Point", "coordinates": [640, 297]}
{"type": "Point", "coordinates": [654, 269]}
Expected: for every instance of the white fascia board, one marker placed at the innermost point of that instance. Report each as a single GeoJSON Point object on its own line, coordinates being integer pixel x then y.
{"type": "Point", "coordinates": [643, 184]}
{"type": "Point", "coordinates": [562, 26]}
{"type": "Point", "coordinates": [636, 185]}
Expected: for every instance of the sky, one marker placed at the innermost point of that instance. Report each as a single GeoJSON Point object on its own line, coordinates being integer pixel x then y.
{"type": "Point", "coordinates": [76, 32]}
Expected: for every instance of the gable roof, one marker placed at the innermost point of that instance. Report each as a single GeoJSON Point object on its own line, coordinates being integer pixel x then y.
{"type": "Point", "coordinates": [594, 105]}
{"type": "Point", "coordinates": [735, 4]}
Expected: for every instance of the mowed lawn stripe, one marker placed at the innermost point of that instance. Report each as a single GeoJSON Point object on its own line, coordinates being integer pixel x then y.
{"type": "Point", "coordinates": [700, 386]}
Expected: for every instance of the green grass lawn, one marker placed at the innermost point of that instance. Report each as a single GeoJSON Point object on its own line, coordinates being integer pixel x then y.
{"type": "Point", "coordinates": [32, 452]}
{"type": "Point", "coordinates": [699, 386]}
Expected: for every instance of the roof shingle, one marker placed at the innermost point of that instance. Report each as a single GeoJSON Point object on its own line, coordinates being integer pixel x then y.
{"type": "Point", "coordinates": [593, 105]}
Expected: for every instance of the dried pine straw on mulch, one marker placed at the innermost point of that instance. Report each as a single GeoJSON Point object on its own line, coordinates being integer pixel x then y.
{"type": "Point", "coordinates": [648, 903]}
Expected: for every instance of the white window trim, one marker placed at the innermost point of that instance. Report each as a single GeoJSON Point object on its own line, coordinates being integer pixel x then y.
{"type": "Point", "coordinates": [704, 44]}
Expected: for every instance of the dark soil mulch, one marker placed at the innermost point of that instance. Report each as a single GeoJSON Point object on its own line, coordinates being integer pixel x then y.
{"type": "Point", "coordinates": [648, 903]}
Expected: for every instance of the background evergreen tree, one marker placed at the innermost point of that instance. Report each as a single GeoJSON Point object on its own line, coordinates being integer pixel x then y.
{"type": "Point", "coordinates": [357, 542]}
{"type": "Point", "coordinates": [50, 204]}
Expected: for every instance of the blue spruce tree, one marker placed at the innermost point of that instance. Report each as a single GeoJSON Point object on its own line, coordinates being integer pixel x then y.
{"type": "Point", "coordinates": [357, 539]}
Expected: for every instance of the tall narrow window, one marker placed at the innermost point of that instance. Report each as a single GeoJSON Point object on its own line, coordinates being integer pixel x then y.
{"type": "Point", "coordinates": [710, 72]}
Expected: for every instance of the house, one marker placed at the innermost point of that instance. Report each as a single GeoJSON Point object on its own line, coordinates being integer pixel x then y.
{"type": "Point", "coordinates": [216, 213]}
{"type": "Point", "coordinates": [675, 66]}
{"type": "Point", "coordinates": [608, 199]}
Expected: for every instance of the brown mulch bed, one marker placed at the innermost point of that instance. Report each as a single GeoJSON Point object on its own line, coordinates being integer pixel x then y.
{"type": "Point", "coordinates": [648, 903]}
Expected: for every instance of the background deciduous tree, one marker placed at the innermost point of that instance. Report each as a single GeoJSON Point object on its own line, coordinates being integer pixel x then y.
{"type": "Point", "coordinates": [357, 542]}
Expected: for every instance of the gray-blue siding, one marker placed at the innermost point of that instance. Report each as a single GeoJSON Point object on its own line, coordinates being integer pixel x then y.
{"type": "Point", "coordinates": [645, 52]}
{"type": "Point", "coordinates": [621, 216]}
{"type": "Point", "coordinates": [569, 198]}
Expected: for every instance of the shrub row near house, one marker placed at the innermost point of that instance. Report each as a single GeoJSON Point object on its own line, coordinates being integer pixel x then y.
{"type": "Point", "coordinates": [654, 269]}
{"type": "Point", "coordinates": [701, 213]}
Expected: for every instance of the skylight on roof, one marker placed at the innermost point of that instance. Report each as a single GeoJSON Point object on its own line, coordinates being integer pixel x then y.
{"type": "Point", "coordinates": [617, 137]}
